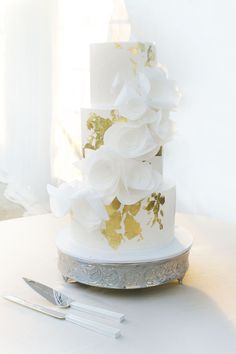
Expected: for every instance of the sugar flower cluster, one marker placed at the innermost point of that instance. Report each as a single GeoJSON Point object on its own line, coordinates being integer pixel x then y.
{"type": "Point", "coordinates": [123, 167]}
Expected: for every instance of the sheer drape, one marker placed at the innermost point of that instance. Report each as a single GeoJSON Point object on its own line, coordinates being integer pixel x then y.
{"type": "Point", "coordinates": [27, 101]}
{"type": "Point", "coordinates": [44, 59]}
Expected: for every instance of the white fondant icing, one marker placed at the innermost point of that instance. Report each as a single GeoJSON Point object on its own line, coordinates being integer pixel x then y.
{"type": "Point", "coordinates": [180, 243]}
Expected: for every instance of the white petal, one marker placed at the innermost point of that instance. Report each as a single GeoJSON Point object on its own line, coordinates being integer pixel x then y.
{"type": "Point", "coordinates": [131, 196]}
{"type": "Point", "coordinates": [164, 95]}
{"type": "Point", "coordinates": [60, 199]}
{"type": "Point", "coordinates": [144, 84]}
{"type": "Point", "coordinates": [141, 175]}
{"type": "Point", "coordinates": [102, 170]}
{"type": "Point", "coordinates": [85, 215]}
{"type": "Point", "coordinates": [157, 73]}
{"type": "Point", "coordinates": [165, 130]}
{"type": "Point", "coordinates": [149, 117]}
{"type": "Point", "coordinates": [130, 141]}
{"type": "Point", "coordinates": [139, 179]}
{"type": "Point", "coordinates": [117, 84]}
{"type": "Point", "coordinates": [98, 206]}
{"type": "Point", "coordinates": [129, 104]}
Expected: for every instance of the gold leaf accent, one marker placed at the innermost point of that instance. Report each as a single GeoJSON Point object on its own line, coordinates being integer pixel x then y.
{"type": "Point", "coordinates": [153, 206]}
{"type": "Point", "coordinates": [114, 222]}
{"type": "Point", "coordinates": [150, 56]}
{"type": "Point", "coordinates": [113, 237]}
{"type": "Point", "coordinates": [159, 153]}
{"type": "Point", "coordinates": [116, 204]}
{"type": "Point", "coordinates": [150, 205]}
{"type": "Point", "coordinates": [133, 208]}
{"type": "Point", "coordinates": [117, 45]}
{"type": "Point", "coordinates": [141, 46]}
{"type": "Point", "coordinates": [132, 227]}
{"type": "Point", "coordinates": [115, 117]}
{"type": "Point", "coordinates": [134, 50]}
{"type": "Point", "coordinates": [98, 126]}
{"type": "Point", "coordinates": [137, 48]}
{"type": "Point", "coordinates": [112, 225]}
{"type": "Point", "coordinates": [121, 217]}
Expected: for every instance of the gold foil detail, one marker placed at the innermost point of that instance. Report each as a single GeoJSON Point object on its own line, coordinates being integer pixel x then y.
{"type": "Point", "coordinates": [134, 65]}
{"type": "Point", "coordinates": [150, 57]}
{"type": "Point", "coordinates": [132, 227]}
{"type": "Point", "coordinates": [140, 48]}
{"type": "Point", "coordinates": [121, 223]}
{"type": "Point", "coordinates": [137, 48]}
{"type": "Point", "coordinates": [159, 153]}
{"type": "Point", "coordinates": [153, 206]}
{"type": "Point", "coordinates": [98, 126]}
{"type": "Point", "coordinates": [117, 45]}
{"type": "Point", "coordinates": [132, 209]}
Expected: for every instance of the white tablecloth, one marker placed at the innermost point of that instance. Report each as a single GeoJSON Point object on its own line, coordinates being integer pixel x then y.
{"type": "Point", "coordinates": [198, 317]}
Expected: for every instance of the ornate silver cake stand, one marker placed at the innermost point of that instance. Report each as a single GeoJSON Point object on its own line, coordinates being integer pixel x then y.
{"type": "Point", "coordinates": [170, 263]}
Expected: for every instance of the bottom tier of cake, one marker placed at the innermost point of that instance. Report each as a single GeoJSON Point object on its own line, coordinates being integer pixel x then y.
{"type": "Point", "coordinates": [146, 225]}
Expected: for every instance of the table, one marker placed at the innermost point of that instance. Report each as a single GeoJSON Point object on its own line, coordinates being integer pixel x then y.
{"type": "Point", "coordinates": [198, 317]}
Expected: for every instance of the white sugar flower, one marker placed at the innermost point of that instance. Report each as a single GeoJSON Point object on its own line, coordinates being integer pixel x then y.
{"type": "Point", "coordinates": [130, 103]}
{"type": "Point", "coordinates": [139, 179]}
{"type": "Point", "coordinates": [165, 129]}
{"type": "Point", "coordinates": [101, 169]}
{"type": "Point", "coordinates": [86, 204]}
{"type": "Point", "coordinates": [60, 198]}
{"type": "Point", "coordinates": [88, 209]}
{"type": "Point", "coordinates": [130, 141]}
{"type": "Point", "coordinates": [160, 92]}
{"type": "Point", "coordinates": [141, 100]}
{"type": "Point", "coordinates": [112, 176]}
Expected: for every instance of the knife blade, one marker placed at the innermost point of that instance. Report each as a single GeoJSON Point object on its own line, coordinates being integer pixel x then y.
{"type": "Point", "coordinates": [82, 322]}
{"type": "Point", "coordinates": [59, 299]}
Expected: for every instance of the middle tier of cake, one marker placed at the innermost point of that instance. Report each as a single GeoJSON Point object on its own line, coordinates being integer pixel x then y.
{"type": "Point", "coordinates": [94, 124]}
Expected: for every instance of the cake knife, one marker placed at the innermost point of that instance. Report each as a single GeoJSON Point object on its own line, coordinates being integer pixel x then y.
{"type": "Point", "coordinates": [82, 322]}
{"type": "Point", "coordinates": [61, 300]}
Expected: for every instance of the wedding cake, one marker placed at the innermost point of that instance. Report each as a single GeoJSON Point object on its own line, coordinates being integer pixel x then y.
{"type": "Point", "coordinates": [123, 206]}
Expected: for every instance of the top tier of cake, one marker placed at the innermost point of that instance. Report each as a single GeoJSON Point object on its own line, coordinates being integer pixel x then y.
{"type": "Point", "coordinates": [109, 59]}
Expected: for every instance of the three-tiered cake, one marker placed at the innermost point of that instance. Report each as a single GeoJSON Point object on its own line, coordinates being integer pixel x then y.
{"type": "Point", "coordinates": [123, 209]}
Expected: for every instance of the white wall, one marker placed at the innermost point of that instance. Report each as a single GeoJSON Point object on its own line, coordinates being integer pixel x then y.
{"type": "Point", "coordinates": [196, 42]}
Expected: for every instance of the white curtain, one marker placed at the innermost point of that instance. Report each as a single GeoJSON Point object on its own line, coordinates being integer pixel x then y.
{"type": "Point", "coordinates": [44, 59]}
{"type": "Point", "coordinates": [27, 101]}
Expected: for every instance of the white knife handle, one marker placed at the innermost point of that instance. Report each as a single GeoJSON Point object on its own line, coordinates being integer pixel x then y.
{"type": "Point", "coordinates": [97, 311]}
{"type": "Point", "coordinates": [94, 326]}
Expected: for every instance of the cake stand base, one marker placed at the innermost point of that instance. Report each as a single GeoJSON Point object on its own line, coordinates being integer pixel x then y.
{"type": "Point", "coordinates": [127, 275]}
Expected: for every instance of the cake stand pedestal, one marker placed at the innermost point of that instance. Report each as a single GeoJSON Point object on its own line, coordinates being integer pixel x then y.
{"type": "Point", "coordinates": [156, 267]}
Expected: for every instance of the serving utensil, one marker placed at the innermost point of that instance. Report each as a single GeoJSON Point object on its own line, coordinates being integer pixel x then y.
{"type": "Point", "coordinates": [82, 322]}
{"type": "Point", "coordinates": [61, 300]}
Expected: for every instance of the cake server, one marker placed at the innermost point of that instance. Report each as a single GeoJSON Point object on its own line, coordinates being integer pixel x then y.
{"type": "Point", "coordinates": [61, 300]}
{"type": "Point", "coordinates": [82, 322]}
